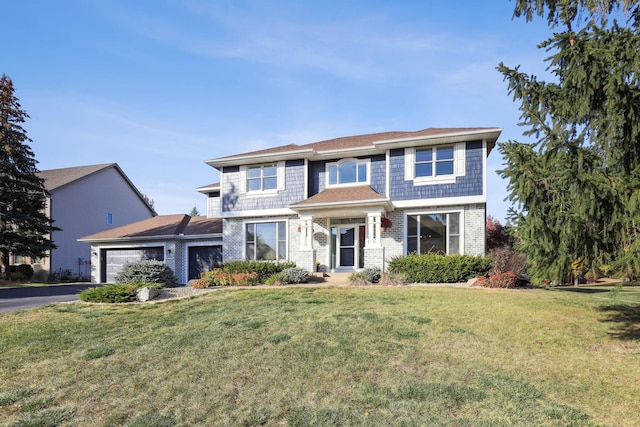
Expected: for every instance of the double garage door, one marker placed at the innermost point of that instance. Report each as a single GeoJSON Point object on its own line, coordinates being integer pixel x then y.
{"type": "Point", "coordinates": [114, 259]}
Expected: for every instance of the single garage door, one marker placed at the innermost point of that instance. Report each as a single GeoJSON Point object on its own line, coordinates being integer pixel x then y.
{"type": "Point", "coordinates": [114, 259]}
{"type": "Point", "coordinates": [203, 258]}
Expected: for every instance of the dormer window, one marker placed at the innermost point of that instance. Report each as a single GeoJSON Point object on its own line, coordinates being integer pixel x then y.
{"type": "Point", "coordinates": [350, 171]}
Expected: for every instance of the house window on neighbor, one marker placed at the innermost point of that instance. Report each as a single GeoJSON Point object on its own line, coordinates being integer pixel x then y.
{"type": "Point", "coordinates": [348, 172]}
{"type": "Point", "coordinates": [109, 219]}
{"type": "Point", "coordinates": [434, 161]}
{"type": "Point", "coordinates": [437, 233]}
{"type": "Point", "coordinates": [266, 241]}
{"type": "Point", "coordinates": [262, 177]}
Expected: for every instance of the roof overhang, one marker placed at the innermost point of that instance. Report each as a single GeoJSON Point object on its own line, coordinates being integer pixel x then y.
{"type": "Point", "coordinates": [489, 135]}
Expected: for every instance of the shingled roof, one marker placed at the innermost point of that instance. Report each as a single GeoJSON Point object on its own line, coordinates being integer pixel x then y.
{"type": "Point", "coordinates": [372, 141]}
{"type": "Point", "coordinates": [56, 178]}
{"type": "Point", "coordinates": [335, 197]}
{"type": "Point", "coordinates": [162, 226]}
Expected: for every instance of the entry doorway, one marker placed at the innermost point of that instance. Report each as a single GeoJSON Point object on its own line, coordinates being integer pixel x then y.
{"type": "Point", "coordinates": [347, 246]}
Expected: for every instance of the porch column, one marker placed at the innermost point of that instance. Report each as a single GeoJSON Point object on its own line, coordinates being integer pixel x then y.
{"type": "Point", "coordinates": [373, 229]}
{"type": "Point", "coordinates": [306, 232]}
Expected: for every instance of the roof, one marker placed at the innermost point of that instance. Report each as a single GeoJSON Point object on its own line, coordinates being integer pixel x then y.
{"type": "Point", "coordinates": [342, 196]}
{"type": "Point", "coordinates": [209, 188]}
{"type": "Point", "coordinates": [375, 141]}
{"type": "Point", "coordinates": [56, 178]}
{"type": "Point", "coordinates": [162, 226]}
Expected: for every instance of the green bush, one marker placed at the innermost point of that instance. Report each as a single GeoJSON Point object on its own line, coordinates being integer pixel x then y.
{"type": "Point", "coordinates": [264, 269]}
{"type": "Point", "coordinates": [294, 275]}
{"type": "Point", "coordinates": [21, 272]}
{"type": "Point", "coordinates": [124, 292]}
{"type": "Point", "coordinates": [150, 271]}
{"type": "Point", "coordinates": [436, 268]}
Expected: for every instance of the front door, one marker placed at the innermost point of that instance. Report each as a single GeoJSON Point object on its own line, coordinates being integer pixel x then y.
{"type": "Point", "coordinates": [348, 248]}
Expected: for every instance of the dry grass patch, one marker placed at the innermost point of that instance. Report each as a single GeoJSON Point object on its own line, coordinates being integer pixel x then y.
{"type": "Point", "coordinates": [324, 356]}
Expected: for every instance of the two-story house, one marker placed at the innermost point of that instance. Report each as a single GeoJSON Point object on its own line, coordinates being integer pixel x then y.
{"type": "Point", "coordinates": [83, 200]}
{"type": "Point", "coordinates": [336, 205]}
{"type": "Point", "coordinates": [327, 203]}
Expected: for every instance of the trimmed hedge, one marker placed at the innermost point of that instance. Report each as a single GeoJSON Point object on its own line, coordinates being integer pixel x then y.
{"type": "Point", "coordinates": [117, 293]}
{"type": "Point", "coordinates": [150, 271]}
{"type": "Point", "coordinates": [436, 268]}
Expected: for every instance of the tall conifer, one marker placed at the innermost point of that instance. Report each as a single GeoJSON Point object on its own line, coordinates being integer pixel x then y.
{"type": "Point", "coordinates": [24, 226]}
{"type": "Point", "coordinates": [576, 189]}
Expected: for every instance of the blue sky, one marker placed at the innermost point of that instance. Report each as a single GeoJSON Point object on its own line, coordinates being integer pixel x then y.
{"type": "Point", "coordinates": [161, 86]}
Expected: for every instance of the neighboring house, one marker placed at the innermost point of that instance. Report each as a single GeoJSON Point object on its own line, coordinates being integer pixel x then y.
{"type": "Point", "coordinates": [337, 205]}
{"type": "Point", "coordinates": [84, 200]}
{"type": "Point", "coordinates": [326, 203]}
{"type": "Point", "coordinates": [189, 245]}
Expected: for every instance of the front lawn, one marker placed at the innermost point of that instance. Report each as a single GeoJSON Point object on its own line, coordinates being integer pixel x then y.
{"type": "Point", "coordinates": [328, 356]}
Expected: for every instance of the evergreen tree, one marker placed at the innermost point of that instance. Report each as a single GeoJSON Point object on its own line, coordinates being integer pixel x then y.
{"type": "Point", "coordinates": [576, 189]}
{"type": "Point", "coordinates": [24, 226]}
{"type": "Point", "coordinates": [194, 211]}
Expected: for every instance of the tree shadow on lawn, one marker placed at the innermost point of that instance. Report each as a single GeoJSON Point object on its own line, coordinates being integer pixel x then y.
{"type": "Point", "coordinates": [627, 320]}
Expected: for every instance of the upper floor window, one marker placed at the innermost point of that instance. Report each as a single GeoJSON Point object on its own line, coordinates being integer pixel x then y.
{"type": "Point", "coordinates": [266, 178]}
{"type": "Point", "coordinates": [437, 164]}
{"type": "Point", "coordinates": [353, 171]}
{"type": "Point", "coordinates": [262, 177]}
{"type": "Point", "coordinates": [434, 161]}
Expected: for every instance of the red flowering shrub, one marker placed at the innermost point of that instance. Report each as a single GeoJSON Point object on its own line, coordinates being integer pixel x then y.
{"type": "Point", "coordinates": [219, 277]}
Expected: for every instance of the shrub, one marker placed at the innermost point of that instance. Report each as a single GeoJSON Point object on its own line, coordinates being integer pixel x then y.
{"type": "Point", "coordinates": [149, 271]}
{"type": "Point", "coordinates": [219, 277]}
{"type": "Point", "coordinates": [274, 280]}
{"type": "Point", "coordinates": [372, 274]}
{"type": "Point", "coordinates": [123, 292]}
{"type": "Point", "coordinates": [357, 278]}
{"type": "Point", "coordinates": [21, 272]}
{"type": "Point", "coordinates": [109, 293]}
{"type": "Point", "coordinates": [506, 259]}
{"type": "Point", "coordinates": [264, 269]}
{"type": "Point", "coordinates": [437, 268]}
{"type": "Point", "coordinates": [294, 275]}
{"type": "Point", "coordinates": [503, 280]}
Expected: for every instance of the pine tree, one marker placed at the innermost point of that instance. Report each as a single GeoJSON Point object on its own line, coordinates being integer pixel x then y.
{"type": "Point", "coordinates": [24, 226]}
{"type": "Point", "coordinates": [576, 189]}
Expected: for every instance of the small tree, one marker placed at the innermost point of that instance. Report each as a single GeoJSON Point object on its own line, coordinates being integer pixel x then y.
{"type": "Point", "coordinates": [194, 211]}
{"type": "Point", "coordinates": [25, 229]}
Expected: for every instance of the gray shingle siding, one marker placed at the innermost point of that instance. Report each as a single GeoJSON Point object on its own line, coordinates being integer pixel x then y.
{"type": "Point", "coordinates": [318, 179]}
{"type": "Point", "coordinates": [470, 184]}
{"type": "Point", "coordinates": [233, 200]}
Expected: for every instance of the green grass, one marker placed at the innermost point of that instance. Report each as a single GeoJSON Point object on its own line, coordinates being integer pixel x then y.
{"type": "Point", "coordinates": [328, 356]}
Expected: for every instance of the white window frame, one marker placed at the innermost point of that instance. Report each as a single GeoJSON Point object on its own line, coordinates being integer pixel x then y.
{"type": "Point", "coordinates": [244, 179]}
{"type": "Point", "coordinates": [279, 258]}
{"type": "Point", "coordinates": [459, 165]}
{"type": "Point", "coordinates": [359, 162]}
{"type": "Point", "coordinates": [447, 212]}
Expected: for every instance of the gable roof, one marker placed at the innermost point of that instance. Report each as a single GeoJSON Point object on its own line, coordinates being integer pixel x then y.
{"type": "Point", "coordinates": [363, 144]}
{"type": "Point", "coordinates": [161, 226]}
{"type": "Point", "coordinates": [55, 179]}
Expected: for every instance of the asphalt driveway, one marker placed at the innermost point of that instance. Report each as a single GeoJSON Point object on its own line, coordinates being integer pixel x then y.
{"type": "Point", "coordinates": [12, 299]}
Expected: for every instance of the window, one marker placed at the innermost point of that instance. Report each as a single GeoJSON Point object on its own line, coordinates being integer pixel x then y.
{"type": "Point", "coordinates": [437, 164]}
{"type": "Point", "coordinates": [266, 241]}
{"type": "Point", "coordinates": [262, 177]}
{"type": "Point", "coordinates": [434, 161]}
{"type": "Point", "coordinates": [109, 219]}
{"type": "Point", "coordinates": [348, 172]}
{"type": "Point", "coordinates": [438, 233]}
